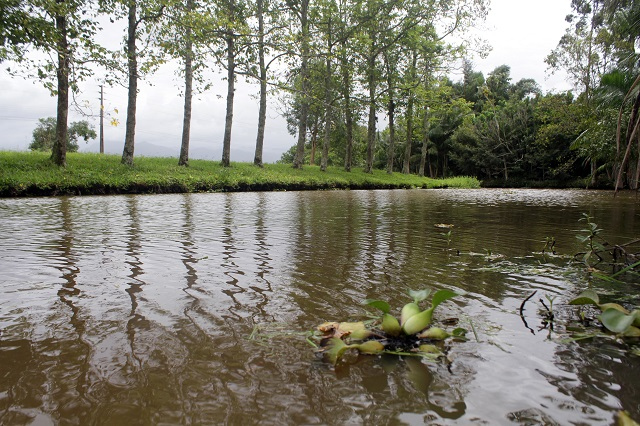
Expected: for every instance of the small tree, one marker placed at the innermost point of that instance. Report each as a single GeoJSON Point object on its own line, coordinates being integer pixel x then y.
{"type": "Point", "coordinates": [44, 135]}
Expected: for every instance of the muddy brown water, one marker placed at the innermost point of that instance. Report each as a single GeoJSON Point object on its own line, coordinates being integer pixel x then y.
{"type": "Point", "coordinates": [191, 308]}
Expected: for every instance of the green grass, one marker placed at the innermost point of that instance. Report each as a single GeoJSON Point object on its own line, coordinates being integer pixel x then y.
{"type": "Point", "coordinates": [32, 173]}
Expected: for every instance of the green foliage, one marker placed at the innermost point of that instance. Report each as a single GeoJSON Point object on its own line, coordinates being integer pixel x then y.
{"type": "Point", "coordinates": [389, 336]}
{"type": "Point", "coordinates": [590, 239]}
{"type": "Point", "coordinates": [44, 135]}
{"type": "Point", "coordinates": [613, 317]}
{"type": "Point", "coordinates": [31, 173]}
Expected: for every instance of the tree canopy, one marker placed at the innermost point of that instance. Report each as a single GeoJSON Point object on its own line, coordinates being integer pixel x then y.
{"type": "Point", "coordinates": [44, 135]}
{"type": "Point", "coordinates": [367, 81]}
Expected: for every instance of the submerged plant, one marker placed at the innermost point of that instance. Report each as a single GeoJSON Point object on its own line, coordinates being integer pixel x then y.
{"type": "Point", "coordinates": [411, 335]}
{"type": "Point", "coordinates": [549, 245]}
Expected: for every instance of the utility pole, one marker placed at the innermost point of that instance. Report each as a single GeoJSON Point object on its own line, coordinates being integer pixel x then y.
{"type": "Point", "coordinates": [101, 119]}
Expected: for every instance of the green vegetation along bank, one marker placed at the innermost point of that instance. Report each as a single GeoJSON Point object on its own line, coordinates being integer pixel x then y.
{"type": "Point", "coordinates": [33, 174]}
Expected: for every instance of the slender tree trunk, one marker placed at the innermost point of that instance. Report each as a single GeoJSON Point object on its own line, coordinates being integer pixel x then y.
{"type": "Point", "coordinates": [59, 152]}
{"type": "Point", "coordinates": [314, 142]}
{"type": "Point", "coordinates": [371, 127]}
{"type": "Point", "coordinates": [188, 92]}
{"type": "Point", "coordinates": [304, 74]}
{"type": "Point", "coordinates": [632, 133]}
{"type": "Point", "coordinates": [406, 168]}
{"type": "Point", "coordinates": [425, 142]}
{"type": "Point", "coordinates": [231, 89]}
{"type": "Point", "coordinates": [328, 105]}
{"type": "Point", "coordinates": [636, 181]}
{"type": "Point", "coordinates": [262, 113]}
{"type": "Point", "coordinates": [132, 66]}
{"type": "Point", "coordinates": [506, 172]}
{"type": "Point", "coordinates": [327, 137]}
{"type": "Point", "coordinates": [348, 114]}
{"type": "Point", "coordinates": [391, 149]}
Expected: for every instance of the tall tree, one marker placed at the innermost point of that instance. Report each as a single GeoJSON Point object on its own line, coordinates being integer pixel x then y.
{"type": "Point", "coordinates": [140, 16]}
{"type": "Point", "coordinates": [65, 30]}
{"type": "Point", "coordinates": [300, 8]}
{"type": "Point", "coordinates": [579, 55]}
{"type": "Point", "coordinates": [188, 56]}
{"type": "Point", "coordinates": [59, 152]}
{"type": "Point", "coordinates": [270, 46]}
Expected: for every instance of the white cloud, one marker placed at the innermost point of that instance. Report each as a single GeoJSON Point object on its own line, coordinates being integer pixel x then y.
{"type": "Point", "coordinates": [523, 33]}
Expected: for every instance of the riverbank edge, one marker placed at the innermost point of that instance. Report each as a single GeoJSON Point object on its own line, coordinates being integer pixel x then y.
{"type": "Point", "coordinates": [31, 174]}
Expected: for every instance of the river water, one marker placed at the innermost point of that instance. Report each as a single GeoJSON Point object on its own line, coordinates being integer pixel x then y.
{"type": "Point", "coordinates": [192, 308]}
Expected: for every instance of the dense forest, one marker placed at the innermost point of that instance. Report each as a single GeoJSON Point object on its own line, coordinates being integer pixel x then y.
{"type": "Point", "coordinates": [365, 82]}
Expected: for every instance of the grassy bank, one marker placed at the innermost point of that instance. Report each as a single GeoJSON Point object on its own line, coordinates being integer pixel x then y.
{"type": "Point", "coordinates": [32, 174]}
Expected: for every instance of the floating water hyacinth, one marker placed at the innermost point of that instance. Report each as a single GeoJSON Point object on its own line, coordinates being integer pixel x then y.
{"type": "Point", "coordinates": [613, 317]}
{"type": "Point", "coordinates": [411, 335]}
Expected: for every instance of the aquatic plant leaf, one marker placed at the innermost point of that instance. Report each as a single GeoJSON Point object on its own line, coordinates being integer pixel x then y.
{"type": "Point", "coordinates": [624, 419]}
{"type": "Point", "coordinates": [435, 333]}
{"type": "Point", "coordinates": [442, 295]}
{"type": "Point", "coordinates": [418, 322]}
{"type": "Point", "coordinates": [459, 332]}
{"type": "Point", "coordinates": [390, 325]}
{"type": "Point", "coordinates": [409, 310]}
{"type": "Point", "coordinates": [378, 304]}
{"type": "Point", "coordinates": [419, 295]}
{"type": "Point", "coordinates": [636, 316]}
{"type": "Point", "coordinates": [616, 321]}
{"type": "Point", "coordinates": [430, 349]}
{"type": "Point", "coordinates": [587, 297]}
{"type": "Point", "coordinates": [328, 328]}
{"type": "Point", "coordinates": [355, 330]}
{"type": "Point", "coordinates": [334, 350]}
{"type": "Point", "coordinates": [371, 347]}
{"type": "Point", "coordinates": [615, 306]}
{"type": "Point", "coordinates": [632, 332]}
{"type": "Point", "coordinates": [624, 270]}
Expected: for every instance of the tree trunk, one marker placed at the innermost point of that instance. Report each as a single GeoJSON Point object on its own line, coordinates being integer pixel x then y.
{"type": "Point", "coordinates": [304, 74]}
{"type": "Point", "coordinates": [228, 121]}
{"type": "Point", "coordinates": [262, 113]}
{"type": "Point", "coordinates": [406, 168]}
{"type": "Point", "coordinates": [371, 127]}
{"type": "Point", "coordinates": [188, 92]}
{"type": "Point", "coordinates": [391, 149]}
{"type": "Point", "coordinates": [59, 152]}
{"type": "Point", "coordinates": [328, 106]}
{"type": "Point", "coordinates": [425, 142]}
{"type": "Point", "coordinates": [636, 181]}
{"type": "Point", "coordinates": [348, 114]}
{"type": "Point", "coordinates": [132, 66]}
{"type": "Point", "coordinates": [327, 137]}
{"type": "Point", "coordinates": [314, 142]}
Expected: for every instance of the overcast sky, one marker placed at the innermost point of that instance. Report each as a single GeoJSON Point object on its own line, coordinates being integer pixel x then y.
{"type": "Point", "coordinates": [521, 32]}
